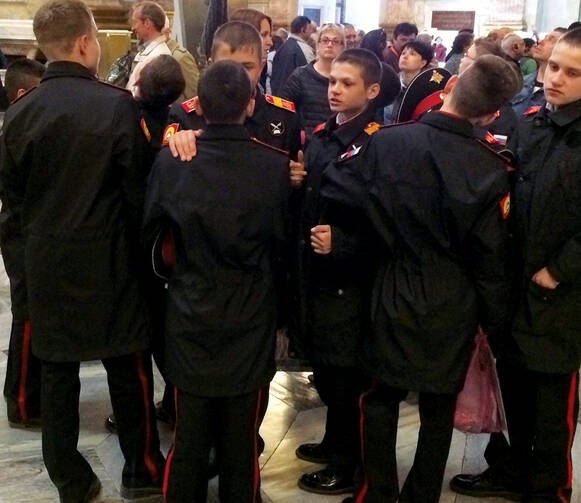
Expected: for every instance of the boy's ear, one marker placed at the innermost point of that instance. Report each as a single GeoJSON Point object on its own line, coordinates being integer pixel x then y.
{"type": "Point", "coordinates": [250, 107]}
{"type": "Point", "coordinates": [373, 91]}
{"type": "Point", "coordinates": [450, 85]}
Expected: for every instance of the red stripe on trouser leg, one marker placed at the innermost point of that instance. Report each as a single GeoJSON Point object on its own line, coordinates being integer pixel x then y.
{"type": "Point", "coordinates": [148, 460]}
{"type": "Point", "coordinates": [256, 481]}
{"type": "Point", "coordinates": [363, 490]}
{"type": "Point", "coordinates": [24, 360]}
{"type": "Point", "coordinates": [170, 456]}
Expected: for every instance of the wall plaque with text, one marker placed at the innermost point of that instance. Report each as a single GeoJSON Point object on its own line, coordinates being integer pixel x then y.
{"type": "Point", "coordinates": [453, 20]}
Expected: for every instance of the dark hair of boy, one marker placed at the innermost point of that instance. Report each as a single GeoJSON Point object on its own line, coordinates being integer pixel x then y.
{"type": "Point", "coordinates": [389, 87]}
{"type": "Point", "coordinates": [405, 29]}
{"type": "Point", "coordinates": [366, 61]}
{"type": "Point", "coordinates": [250, 16]}
{"type": "Point", "coordinates": [22, 74]}
{"type": "Point", "coordinates": [574, 25]}
{"type": "Point", "coordinates": [58, 23]}
{"type": "Point", "coordinates": [224, 92]}
{"type": "Point", "coordinates": [572, 38]}
{"type": "Point", "coordinates": [424, 50]}
{"type": "Point", "coordinates": [161, 82]}
{"type": "Point", "coordinates": [485, 46]}
{"type": "Point", "coordinates": [298, 23]}
{"type": "Point", "coordinates": [238, 35]}
{"type": "Point", "coordinates": [485, 86]}
{"type": "Point", "coordinates": [152, 11]}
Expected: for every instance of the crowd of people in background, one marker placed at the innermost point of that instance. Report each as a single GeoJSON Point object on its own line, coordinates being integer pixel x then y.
{"type": "Point", "coordinates": [277, 169]}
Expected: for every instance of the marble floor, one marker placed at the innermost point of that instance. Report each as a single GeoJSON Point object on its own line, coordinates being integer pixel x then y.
{"type": "Point", "coordinates": [295, 415]}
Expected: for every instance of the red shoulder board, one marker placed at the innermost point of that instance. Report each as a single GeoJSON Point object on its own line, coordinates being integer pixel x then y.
{"type": "Point", "coordinates": [320, 127]}
{"type": "Point", "coordinates": [189, 105]}
{"type": "Point", "coordinates": [532, 110]}
{"type": "Point", "coordinates": [371, 128]}
{"type": "Point", "coordinates": [145, 130]}
{"type": "Point", "coordinates": [168, 132]}
{"type": "Point", "coordinates": [270, 147]}
{"type": "Point", "coordinates": [505, 206]}
{"type": "Point", "coordinates": [280, 103]}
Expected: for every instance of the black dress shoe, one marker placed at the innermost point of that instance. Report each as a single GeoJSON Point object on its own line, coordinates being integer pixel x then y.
{"type": "Point", "coordinates": [326, 481]}
{"type": "Point", "coordinates": [111, 424]}
{"type": "Point", "coordinates": [93, 491]}
{"type": "Point", "coordinates": [314, 453]}
{"type": "Point", "coordinates": [488, 484]}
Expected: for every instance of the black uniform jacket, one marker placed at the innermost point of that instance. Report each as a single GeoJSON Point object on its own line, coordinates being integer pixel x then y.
{"type": "Point", "coordinates": [439, 201]}
{"type": "Point", "coordinates": [547, 221]}
{"type": "Point", "coordinates": [334, 289]}
{"type": "Point", "coordinates": [227, 209]}
{"type": "Point", "coordinates": [286, 59]}
{"type": "Point", "coordinates": [73, 179]}
{"type": "Point", "coordinates": [271, 122]}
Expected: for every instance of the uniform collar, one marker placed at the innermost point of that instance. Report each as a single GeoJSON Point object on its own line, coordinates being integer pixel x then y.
{"type": "Point", "coordinates": [566, 115]}
{"type": "Point", "coordinates": [259, 104]}
{"type": "Point", "coordinates": [447, 122]}
{"type": "Point", "coordinates": [350, 130]}
{"type": "Point", "coordinates": [225, 132]}
{"type": "Point", "coordinates": [67, 69]}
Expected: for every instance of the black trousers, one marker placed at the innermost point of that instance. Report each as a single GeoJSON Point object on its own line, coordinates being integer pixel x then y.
{"type": "Point", "coordinates": [229, 423]}
{"type": "Point", "coordinates": [340, 389]}
{"type": "Point", "coordinates": [379, 417]}
{"type": "Point", "coordinates": [22, 384]}
{"type": "Point", "coordinates": [131, 390]}
{"type": "Point", "coordinates": [541, 412]}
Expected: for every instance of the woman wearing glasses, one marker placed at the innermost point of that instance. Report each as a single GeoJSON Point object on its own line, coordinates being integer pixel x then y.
{"type": "Point", "coordinates": [307, 85]}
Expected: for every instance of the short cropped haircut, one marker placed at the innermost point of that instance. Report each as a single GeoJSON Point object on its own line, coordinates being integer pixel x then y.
{"type": "Point", "coordinates": [161, 82]}
{"type": "Point", "coordinates": [572, 38]}
{"type": "Point", "coordinates": [405, 29]}
{"type": "Point", "coordinates": [224, 91]}
{"type": "Point", "coordinates": [298, 23]}
{"type": "Point", "coordinates": [488, 84]}
{"type": "Point", "coordinates": [424, 50]}
{"type": "Point", "coordinates": [238, 35]}
{"type": "Point", "coordinates": [367, 62]}
{"type": "Point", "coordinates": [22, 74]}
{"type": "Point", "coordinates": [486, 46]}
{"type": "Point", "coordinates": [574, 25]}
{"type": "Point", "coordinates": [58, 23]}
{"type": "Point", "coordinates": [250, 16]}
{"type": "Point", "coordinates": [152, 11]}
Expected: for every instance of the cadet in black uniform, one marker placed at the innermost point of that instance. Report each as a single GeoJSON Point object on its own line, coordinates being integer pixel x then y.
{"type": "Point", "coordinates": [444, 271]}
{"type": "Point", "coordinates": [73, 175]}
{"type": "Point", "coordinates": [335, 263]}
{"type": "Point", "coordinates": [22, 384]}
{"type": "Point", "coordinates": [227, 211]}
{"type": "Point", "coordinates": [274, 120]}
{"type": "Point", "coordinates": [539, 362]}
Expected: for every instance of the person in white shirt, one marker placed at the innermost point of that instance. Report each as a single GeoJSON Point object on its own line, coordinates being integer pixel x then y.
{"type": "Point", "coordinates": [147, 22]}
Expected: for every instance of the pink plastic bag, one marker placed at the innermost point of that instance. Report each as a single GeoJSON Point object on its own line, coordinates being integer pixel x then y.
{"type": "Point", "coordinates": [479, 407]}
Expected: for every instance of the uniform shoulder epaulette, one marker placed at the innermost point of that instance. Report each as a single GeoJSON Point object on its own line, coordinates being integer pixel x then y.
{"type": "Point", "coordinates": [505, 158]}
{"type": "Point", "coordinates": [371, 128]}
{"type": "Point", "coordinates": [26, 93]}
{"type": "Point", "coordinates": [270, 147]}
{"type": "Point", "coordinates": [280, 103]}
{"type": "Point", "coordinates": [320, 127]}
{"type": "Point", "coordinates": [115, 87]}
{"type": "Point", "coordinates": [189, 105]}
{"type": "Point", "coordinates": [532, 110]}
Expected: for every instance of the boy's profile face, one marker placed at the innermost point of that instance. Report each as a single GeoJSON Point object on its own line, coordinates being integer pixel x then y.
{"type": "Point", "coordinates": [245, 56]}
{"type": "Point", "coordinates": [347, 91]}
{"type": "Point", "coordinates": [563, 75]}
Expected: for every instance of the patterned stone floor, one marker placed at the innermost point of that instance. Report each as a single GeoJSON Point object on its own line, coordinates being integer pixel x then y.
{"type": "Point", "coordinates": [295, 415]}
